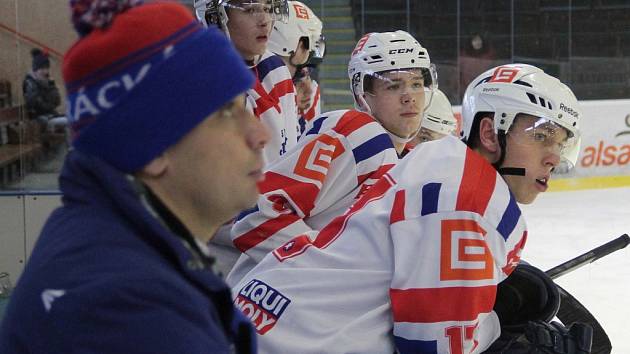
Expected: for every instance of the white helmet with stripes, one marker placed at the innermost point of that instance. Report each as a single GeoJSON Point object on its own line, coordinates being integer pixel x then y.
{"type": "Point", "coordinates": [380, 52]}
{"type": "Point", "coordinates": [513, 89]}
{"type": "Point", "coordinates": [439, 117]}
{"type": "Point", "coordinates": [301, 22]}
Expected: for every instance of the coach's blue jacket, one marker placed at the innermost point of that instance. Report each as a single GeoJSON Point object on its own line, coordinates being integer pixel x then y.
{"type": "Point", "coordinates": [107, 276]}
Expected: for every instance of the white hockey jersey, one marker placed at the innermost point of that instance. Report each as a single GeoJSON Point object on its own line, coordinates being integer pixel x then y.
{"type": "Point", "coordinates": [343, 154]}
{"type": "Point", "coordinates": [272, 100]}
{"type": "Point", "coordinates": [412, 266]}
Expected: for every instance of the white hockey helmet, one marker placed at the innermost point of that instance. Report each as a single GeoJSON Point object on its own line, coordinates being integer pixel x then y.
{"type": "Point", "coordinates": [301, 22]}
{"type": "Point", "coordinates": [386, 51]}
{"type": "Point", "coordinates": [508, 90]}
{"type": "Point", "coordinates": [213, 12]}
{"type": "Point", "coordinates": [439, 117]}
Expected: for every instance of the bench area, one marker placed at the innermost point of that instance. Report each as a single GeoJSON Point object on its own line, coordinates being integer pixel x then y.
{"type": "Point", "coordinates": [20, 144]}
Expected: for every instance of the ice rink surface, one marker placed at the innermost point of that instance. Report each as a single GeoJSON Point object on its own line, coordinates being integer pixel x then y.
{"type": "Point", "coordinates": [563, 225]}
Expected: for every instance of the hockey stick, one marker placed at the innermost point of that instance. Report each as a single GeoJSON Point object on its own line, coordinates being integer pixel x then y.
{"type": "Point", "coordinates": [571, 310]}
{"type": "Point", "coordinates": [589, 257]}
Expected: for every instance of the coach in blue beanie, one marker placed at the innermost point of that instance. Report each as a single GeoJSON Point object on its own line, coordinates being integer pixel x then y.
{"type": "Point", "coordinates": [164, 152]}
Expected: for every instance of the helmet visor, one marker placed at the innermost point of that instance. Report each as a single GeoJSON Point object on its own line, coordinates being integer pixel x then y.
{"type": "Point", "coordinates": [319, 49]}
{"type": "Point", "coordinates": [418, 83]}
{"type": "Point", "coordinates": [542, 133]}
{"type": "Point", "coordinates": [276, 10]}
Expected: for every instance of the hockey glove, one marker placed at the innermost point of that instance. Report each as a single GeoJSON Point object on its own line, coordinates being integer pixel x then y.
{"type": "Point", "coordinates": [545, 338]}
{"type": "Point", "coordinates": [528, 294]}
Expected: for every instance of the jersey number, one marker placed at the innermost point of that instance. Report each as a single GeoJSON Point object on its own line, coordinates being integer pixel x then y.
{"type": "Point", "coordinates": [457, 337]}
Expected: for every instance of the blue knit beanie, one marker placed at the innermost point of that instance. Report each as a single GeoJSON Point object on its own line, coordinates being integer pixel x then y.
{"type": "Point", "coordinates": [142, 76]}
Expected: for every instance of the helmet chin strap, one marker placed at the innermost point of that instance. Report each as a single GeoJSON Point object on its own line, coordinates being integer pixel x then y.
{"type": "Point", "coordinates": [514, 171]}
{"type": "Point", "coordinates": [399, 139]}
{"type": "Point", "coordinates": [503, 171]}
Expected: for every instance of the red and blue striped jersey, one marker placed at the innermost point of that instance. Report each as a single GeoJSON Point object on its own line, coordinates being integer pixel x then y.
{"type": "Point", "coordinates": [412, 266]}
{"type": "Point", "coordinates": [340, 157]}
{"type": "Point", "coordinates": [272, 100]}
{"type": "Point", "coordinates": [307, 117]}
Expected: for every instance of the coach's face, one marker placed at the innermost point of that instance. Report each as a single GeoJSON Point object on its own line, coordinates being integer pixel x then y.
{"type": "Point", "coordinates": [212, 172]}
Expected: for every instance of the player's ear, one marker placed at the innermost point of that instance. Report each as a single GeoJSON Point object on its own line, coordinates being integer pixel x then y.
{"type": "Point", "coordinates": [155, 168]}
{"type": "Point", "coordinates": [488, 139]}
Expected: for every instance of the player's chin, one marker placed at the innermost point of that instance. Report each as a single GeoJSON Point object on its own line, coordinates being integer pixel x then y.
{"type": "Point", "coordinates": [527, 197]}
{"type": "Point", "coordinates": [250, 203]}
{"type": "Point", "coordinates": [249, 192]}
{"type": "Point", "coordinates": [261, 47]}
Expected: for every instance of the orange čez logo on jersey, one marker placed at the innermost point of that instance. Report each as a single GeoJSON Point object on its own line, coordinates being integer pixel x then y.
{"type": "Point", "coordinates": [316, 157]}
{"type": "Point", "coordinates": [504, 74]}
{"type": "Point", "coordinates": [300, 11]}
{"type": "Point", "coordinates": [464, 253]}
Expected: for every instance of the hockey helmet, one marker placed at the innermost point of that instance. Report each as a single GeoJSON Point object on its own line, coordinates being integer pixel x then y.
{"type": "Point", "coordinates": [513, 89]}
{"type": "Point", "coordinates": [301, 22]}
{"type": "Point", "coordinates": [213, 12]}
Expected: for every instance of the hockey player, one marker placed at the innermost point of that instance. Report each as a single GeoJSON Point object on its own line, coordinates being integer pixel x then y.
{"type": "Point", "coordinates": [413, 265]}
{"type": "Point", "coordinates": [300, 41]}
{"type": "Point", "coordinates": [272, 99]}
{"type": "Point", "coordinates": [345, 152]}
{"type": "Point", "coordinates": [303, 89]}
{"type": "Point", "coordinates": [248, 23]}
{"type": "Point", "coordinates": [308, 97]}
{"type": "Point", "coordinates": [299, 38]}
{"type": "Point", "coordinates": [308, 93]}
{"type": "Point", "coordinates": [438, 120]}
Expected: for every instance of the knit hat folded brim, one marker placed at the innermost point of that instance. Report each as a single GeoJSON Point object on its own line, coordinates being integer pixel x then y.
{"type": "Point", "coordinates": [133, 109]}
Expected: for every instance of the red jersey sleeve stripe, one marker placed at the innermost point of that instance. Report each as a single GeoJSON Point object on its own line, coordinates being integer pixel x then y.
{"type": "Point", "coordinates": [264, 100]}
{"type": "Point", "coordinates": [477, 184]}
{"type": "Point", "coordinates": [376, 174]}
{"type": "Point", "coordinates": [272, 99]}
{"type": "Point", "coordinates": [310, 114]}
{"type": "Point", "coordinates": [282, 88]}
{"type": "Point", "coordinates": [441, 304]}
{"type": "Point", "coordinates": [351, 121]}
{"type": "Point", "coordinates": [303, 194]}
{"type": "Point", "coordinates": [398, 209]}
{"type": "Point", "coordinates": [331, 231]}
{"type": "Point", "coordinates": [263, 231]}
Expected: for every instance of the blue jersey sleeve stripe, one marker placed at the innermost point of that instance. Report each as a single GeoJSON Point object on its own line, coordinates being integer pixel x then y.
{"type": "Point", "coordinates": [317, 125]}
{"type": "Point", "coordinates": [372, 147]}
{"type": "Point", "coordinates": [268, 65]}
{"type": "Point", "coordinates": [510, 217]}
{"type": "Point", "coordinates": [405, 346]}
{"type": "Point", "coordinates": [246, 212]}
{"type": "Point", "coordinates": [430, 197]}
